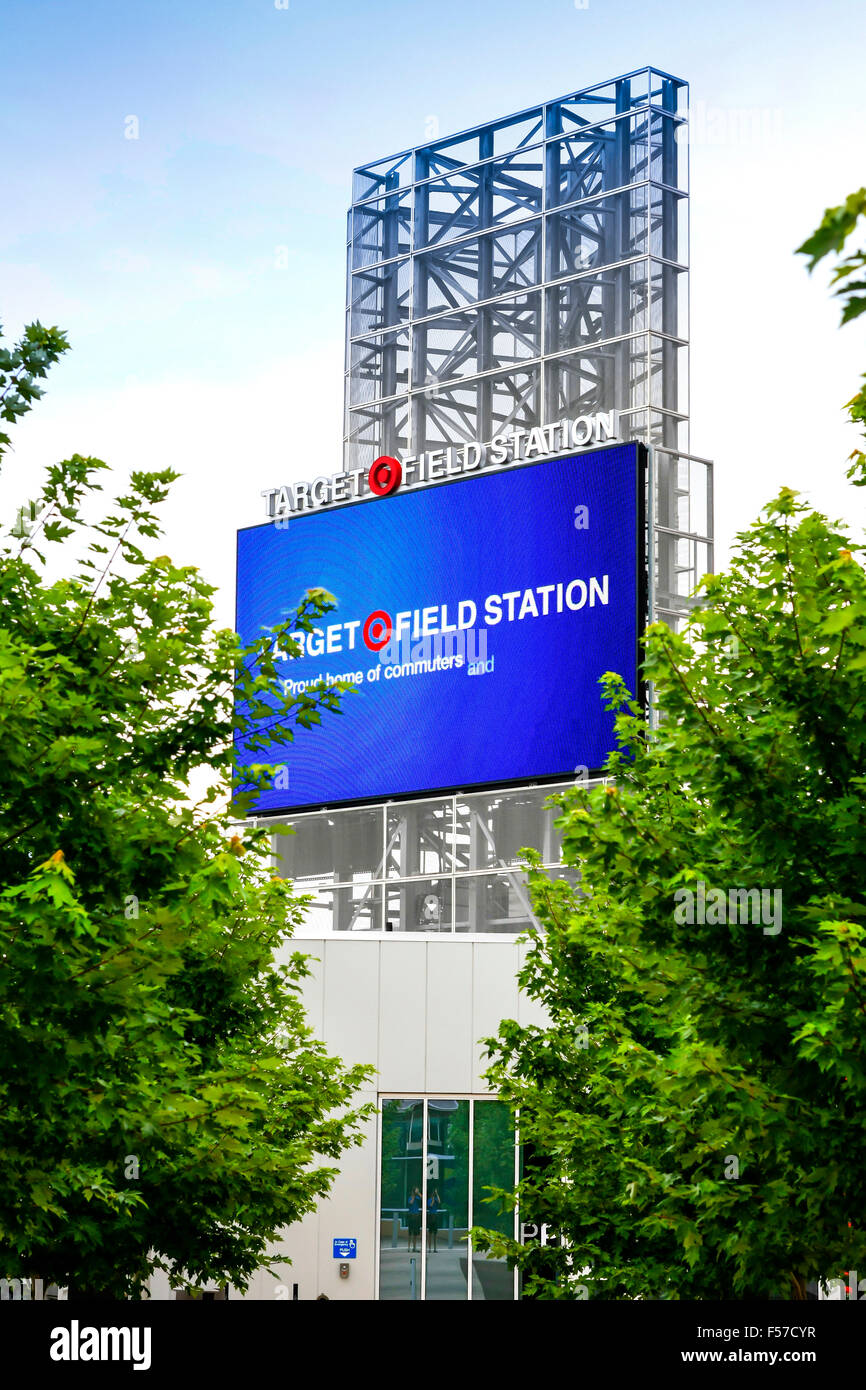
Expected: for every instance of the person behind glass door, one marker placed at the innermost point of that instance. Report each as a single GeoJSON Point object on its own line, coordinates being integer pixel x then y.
{"type": "Point", "coordinates": [434, 1202]}
{"type": "Point", "coordinates": [414, 1218]}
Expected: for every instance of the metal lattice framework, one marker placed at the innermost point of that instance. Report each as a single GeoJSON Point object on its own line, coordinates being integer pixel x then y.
{"type": "Point", "coordinates": [531, 269]}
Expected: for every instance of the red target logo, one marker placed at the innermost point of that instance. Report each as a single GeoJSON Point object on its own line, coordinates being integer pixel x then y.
{"type": "Point", "coordinates": [385, 475]}
{"type": "Point", "coordinates": [377, 629]}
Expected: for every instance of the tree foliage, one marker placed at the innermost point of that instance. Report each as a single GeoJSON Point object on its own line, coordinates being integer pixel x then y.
{"type": "Point", "coordinates": [849, 277]}
{"type": "Point", "coordinates": [694, 1112]}
{"type": "Point", "coordinates": [163, 1101]}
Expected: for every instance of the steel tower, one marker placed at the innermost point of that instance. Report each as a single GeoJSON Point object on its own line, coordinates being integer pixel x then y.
{"type": "Point", "coordinates": [531, 269]}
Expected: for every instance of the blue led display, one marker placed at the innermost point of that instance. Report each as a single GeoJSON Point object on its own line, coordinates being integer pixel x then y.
{"type": "Point", "coordinates": [476, 618]}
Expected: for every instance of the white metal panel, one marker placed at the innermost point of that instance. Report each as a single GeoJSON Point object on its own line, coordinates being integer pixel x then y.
{"type": "Point", "coordinates": [530, 1011]}
{"type": "Point", "coordinates": [494, 996]}
{"type": "Point", "coordinates": [313, 985]}
{"type": "Point", "coordinates": [300, 1243]}
{"type": "Point", "coordinates": [351, 1211]}
{"type": "Point", "coordinates": [450, 1044]}
{"type": "Point", "coordinates": [351, 1003]}
{"type": "Point", "coordinates": [402, 1047]}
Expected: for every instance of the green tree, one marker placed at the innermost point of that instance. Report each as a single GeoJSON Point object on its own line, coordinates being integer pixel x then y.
{"type": "Point", "coordinates": [163, 1101]}
{"type": "Point", "coordinates": [695, 1109]}
{"type": "Point", "coordinates": [849, 277]}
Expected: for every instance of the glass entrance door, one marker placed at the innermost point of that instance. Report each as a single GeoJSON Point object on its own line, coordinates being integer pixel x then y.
{"type": "Point", "coordinates": [439, 1156]}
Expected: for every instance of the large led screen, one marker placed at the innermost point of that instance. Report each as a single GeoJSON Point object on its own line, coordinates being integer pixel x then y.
{"type": "Point", "coordinates": [475, 617]}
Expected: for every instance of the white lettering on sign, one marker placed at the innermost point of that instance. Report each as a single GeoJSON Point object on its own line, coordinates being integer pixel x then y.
{"type": "Point", "coordinates": [517, 445]}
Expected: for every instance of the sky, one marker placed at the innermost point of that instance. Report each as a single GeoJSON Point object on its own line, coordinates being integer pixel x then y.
{"type": "Point", "coordinates": [198, 267]}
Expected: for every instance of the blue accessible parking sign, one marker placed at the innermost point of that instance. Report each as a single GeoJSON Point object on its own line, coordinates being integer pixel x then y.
{"type": "Point", "coordinates": [345, 1249]}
